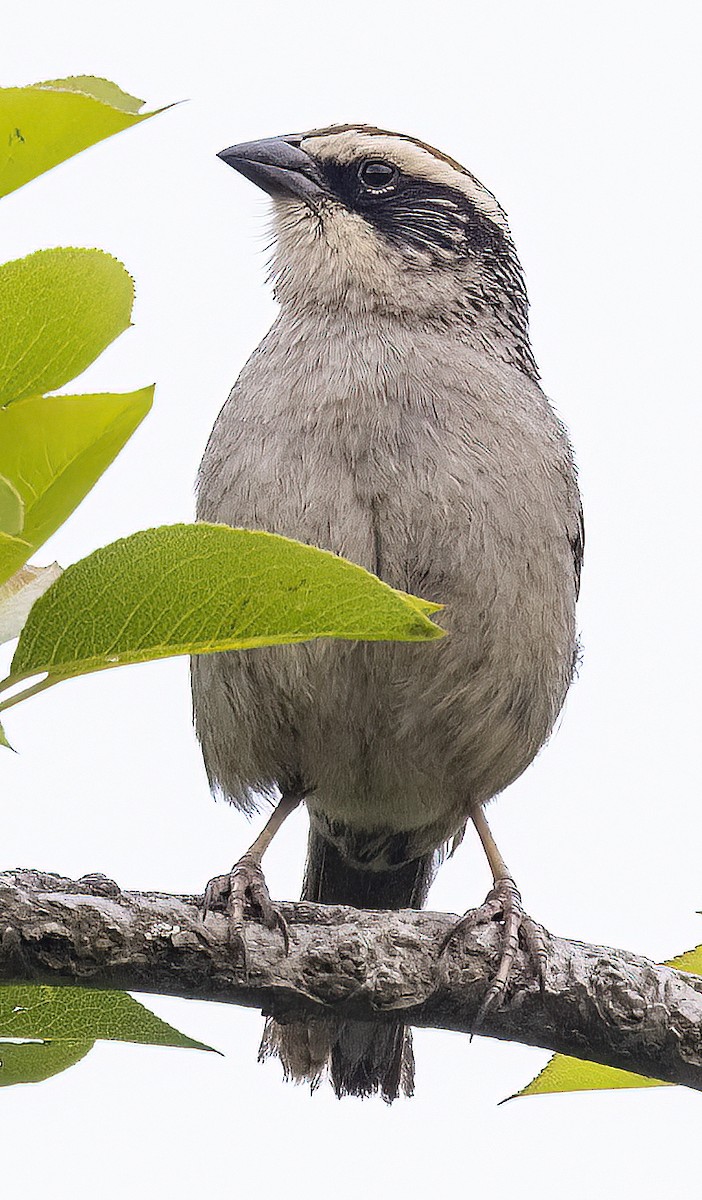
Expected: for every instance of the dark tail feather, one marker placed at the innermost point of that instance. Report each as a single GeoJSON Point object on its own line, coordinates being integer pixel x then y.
{"type": "Point", "coordinates": [332, 879]}
{"type": "Point", "coordinates": [363, 1058]}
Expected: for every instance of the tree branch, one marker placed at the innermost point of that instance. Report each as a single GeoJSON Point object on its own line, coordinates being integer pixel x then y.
{"type": "Point", "coordinates": [607, 1005]}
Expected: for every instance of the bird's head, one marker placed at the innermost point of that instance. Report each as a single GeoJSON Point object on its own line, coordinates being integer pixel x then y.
{"type": "Point", "coordinates": [371, 221]}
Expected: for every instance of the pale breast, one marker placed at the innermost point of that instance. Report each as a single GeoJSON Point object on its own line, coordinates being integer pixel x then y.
{"type": "Point", "coordinates": [447, 477]}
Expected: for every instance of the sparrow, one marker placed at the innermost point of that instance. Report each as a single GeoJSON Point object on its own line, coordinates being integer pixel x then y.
{"type": "Point", "coordinates": [392, 414]}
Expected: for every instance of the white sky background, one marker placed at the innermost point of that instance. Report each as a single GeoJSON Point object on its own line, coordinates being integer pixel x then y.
{"type": "Point", "coordinates": [583, 118]}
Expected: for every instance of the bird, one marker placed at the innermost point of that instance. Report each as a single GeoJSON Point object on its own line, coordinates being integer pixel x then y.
{"type": "Point", "coordinates": [392, 414]}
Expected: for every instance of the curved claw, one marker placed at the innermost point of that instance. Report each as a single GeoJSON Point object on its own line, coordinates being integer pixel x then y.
{"type": "Point", "coordinates": [504, 902]}
{"type": "Point", "coordinates": [244, 885]}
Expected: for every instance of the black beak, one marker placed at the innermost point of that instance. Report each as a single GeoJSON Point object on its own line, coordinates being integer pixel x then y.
{"type": "Point", "coordinates": [278, 166]}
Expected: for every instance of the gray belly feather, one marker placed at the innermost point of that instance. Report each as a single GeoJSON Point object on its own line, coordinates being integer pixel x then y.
{"type": "Point", "coordinates": [448, 477]}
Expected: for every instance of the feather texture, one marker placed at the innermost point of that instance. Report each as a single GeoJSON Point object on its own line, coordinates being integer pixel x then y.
{"type": "Point", "coordinates": [393, 415]}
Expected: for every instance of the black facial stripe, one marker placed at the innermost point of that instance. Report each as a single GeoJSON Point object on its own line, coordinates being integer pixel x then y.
{"type": "Point", "coordinates": [417, 213]}
{"type": "Point", "coordinates": [421, 224]}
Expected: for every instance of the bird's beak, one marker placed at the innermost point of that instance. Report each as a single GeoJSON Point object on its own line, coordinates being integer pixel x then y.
{"type": "Point", "coordinates": [278, 166]}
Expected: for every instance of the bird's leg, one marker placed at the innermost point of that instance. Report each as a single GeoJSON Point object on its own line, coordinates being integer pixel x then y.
{"type": "Point", "coordinates": [503, 902]}
{"type": "Point", "coordinates": [245, 883]}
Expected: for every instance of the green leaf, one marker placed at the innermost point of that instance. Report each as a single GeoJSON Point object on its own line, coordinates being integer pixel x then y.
{"type": "Point", "coordinates": [54, 449]}
{"type": "Point", "coordinates": [3, 739]}
{"type": "Point", "coordinates": [81, 1014]}
{"type": "Point", "coordinates": [32, 1062]}
{"type": "Point", "coordinates": [194, 589]}
{"type": "Point", "coordinates": [19, 593]}
{"type": "Point", "coordinates": [13, 553]}
{"type": "Point", "coordinates": [42, 125]}
{"type": "Point", "coordinates": [11, 508]}
{"type": "Point", "coordinates": [59, 309]}
{"type": "Point", "coordinates": [68, 1021]}
{"type": "Point", "coordinates": [565, 1074]}
{"type": "Point", "coordinates": [690, 961]}
{"type": "Point", "coordinates": [102, 89]}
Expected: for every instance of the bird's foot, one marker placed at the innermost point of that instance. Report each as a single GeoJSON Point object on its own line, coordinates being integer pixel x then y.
{"type": "Point", "coordinates": [244, 887]}
{"type": "Point", "coordinates": [504, 903]}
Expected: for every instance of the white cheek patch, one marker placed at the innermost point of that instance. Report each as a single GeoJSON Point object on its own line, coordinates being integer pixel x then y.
{"type": "Point", "coordinates": [407, 156]}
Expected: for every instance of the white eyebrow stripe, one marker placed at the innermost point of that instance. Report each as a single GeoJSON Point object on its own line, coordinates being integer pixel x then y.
{"type": "Point", "coordinates": [407, 156]}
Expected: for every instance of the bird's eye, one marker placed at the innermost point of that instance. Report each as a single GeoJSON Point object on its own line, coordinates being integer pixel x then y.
{"type": "Point", "coordinates": [375, 174]}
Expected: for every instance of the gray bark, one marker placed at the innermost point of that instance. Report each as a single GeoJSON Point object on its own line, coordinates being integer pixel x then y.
{"type": "Point", "coordinates": [607, 1005]}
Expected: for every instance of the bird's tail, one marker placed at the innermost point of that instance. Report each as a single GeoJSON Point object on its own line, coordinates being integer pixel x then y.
{"type": "Point", "coordinates": [362, 1057]}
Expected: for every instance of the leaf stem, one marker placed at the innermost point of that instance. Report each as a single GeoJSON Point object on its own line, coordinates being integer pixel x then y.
{"type": "Point", "coordinates": [41, 686]}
